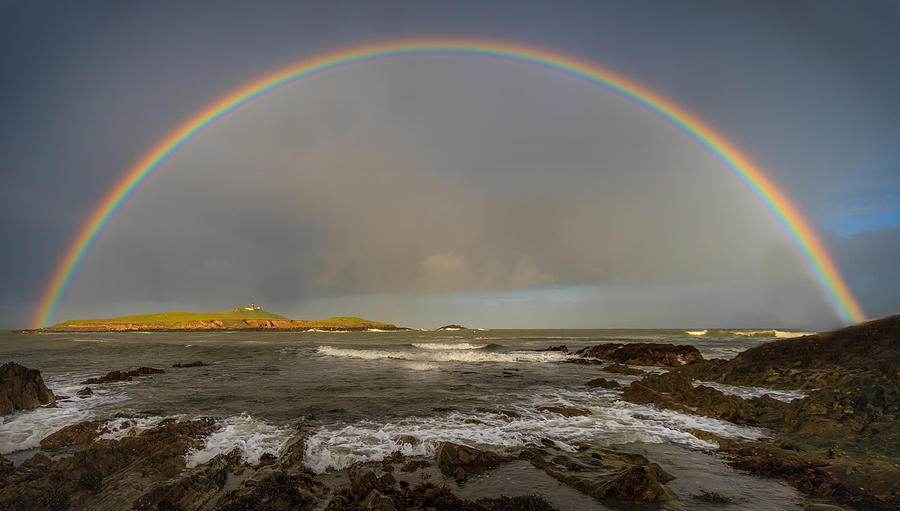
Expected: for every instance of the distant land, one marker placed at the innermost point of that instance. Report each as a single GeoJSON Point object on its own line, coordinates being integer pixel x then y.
{"type": "Point", "coordinates": [240, 318]}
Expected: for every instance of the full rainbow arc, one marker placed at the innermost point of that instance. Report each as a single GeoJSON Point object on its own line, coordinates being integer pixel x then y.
{"type": "Point", "coordinates": [776, 201]}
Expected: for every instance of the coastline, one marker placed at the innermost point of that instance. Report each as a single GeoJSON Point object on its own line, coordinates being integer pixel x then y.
{"type": "Point", "coordinates": [832, 431]}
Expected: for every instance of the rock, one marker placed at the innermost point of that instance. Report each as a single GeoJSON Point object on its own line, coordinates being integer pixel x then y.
{"type": "Point", "coordinates": [459, 460]}
{"type": "Point", "coordinates": [22, 388]}
{"type": "Point", "coordinates": [360, 475]}
{"type": "Point", "coordinates": [107, 474]}
{"type": "Point", "coordinates": [6, 468]}
{"type": "Point", "coordinates": [711, 497]}
{"type": "Point", "coordinates": [623, 369]}
{"type": "Point", "coordinates": [605, 474]}
{"type": "Point", "coordinates": [274, 490]}
{"type": "Point", "coordinates": [508, 414]}
{"type": "Point", "coordinates": [193, 489]}
{"type": "Point", "coordinates": [378, 502]}
{"type": "Point", "coordinates": [407, 439]}
{"type": "Point", "coordinates": [567, 411]}
{"type": "Point", "coordinates": [85, 392]}
{"type": "Point", "coordinates": [196, 363]}
{"type": "Point", "coordinates": [819, 506]}
{"type": "Point", "coordinates": [413, 465]}
{"type": "Point", "coordinates": [562, 348]}
{"type": "Point", "coordinates": [116, 376]}
{"type": "Point", "coordinates": [603, 382]}
{"type": "Point", "coordinates": [645, 354]}
{"type": "Point", "coordinates": [76, 434]}
{"type": "Point", "coordinates": [428, 497]}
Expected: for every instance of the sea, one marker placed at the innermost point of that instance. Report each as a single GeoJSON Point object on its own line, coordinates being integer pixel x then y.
{"type": "Point", "coordinates": [352, 394]}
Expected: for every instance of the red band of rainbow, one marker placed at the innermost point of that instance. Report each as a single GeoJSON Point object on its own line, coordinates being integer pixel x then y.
{"type": "Point", "coordinates": [777, 202]}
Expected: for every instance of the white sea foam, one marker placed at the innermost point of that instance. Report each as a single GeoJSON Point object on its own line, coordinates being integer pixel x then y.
{"type": "Point", "coordinates": [443, 356]}
{"type": "Point", "coordinates": [25, 429]}
{"type": "Point", "coordinates": [119, 428]}
{"type": "Point", "coordinates": [253, 437]}
{"type": "Point", "coordinates": [750, 392]}
{"type": "Point", "coordinates": [448, 346]}
{"type": "Point", "coordinates": [610, 422]}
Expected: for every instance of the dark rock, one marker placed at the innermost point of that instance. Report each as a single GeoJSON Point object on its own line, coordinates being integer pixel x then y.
{"type": "Point", "coordinates": [413, 465]}
{"type": "Point", "coordinates": [193, 489]}
{"type": "Point", "coordinates": [360, 475]}
{"type": "Point", "coordinates": [196, 363]}
{"type": "Point", "coordinates": [6, 468]}
{"type": "Point", "coordinates": [508, 414]}
{"type": "Point", "coordinates": [605, 474]}
{"type": "Point", "coordinates": [427, 496]}
{"type": "Point", "coordinates": [22, 388]}
{"type": "Point", "coordinates": [378, 502]}
{"type": "Point", "coordinates": [645, 354]}
{"type": "Point", "coordinates": [85, 392]}
{"type": "Point", "coordinates": [116, 376]}
{"type": "Point", "coordinates": [562, 348]}
{"type": "Point", "coordinates": [568, 411]}
{"type": "Point", "coordinates": [274, 490]}
{"type": "Point", "coordinates": [603, 382]}
{"type": "Point", "coordinates": [623, 369]}
{"type": "Point", "coordinates": [711, 497]}
{"type": "Point", "coordinates": [108, 474]}
{"type": "Point", "coordinates": [407, 439]}
{"type": "Point", "coordinates": [454, 457]}
{"type": "Point", "coordinates": [266, 459]}
{"type": "Point", "coordinates": [76, 434]}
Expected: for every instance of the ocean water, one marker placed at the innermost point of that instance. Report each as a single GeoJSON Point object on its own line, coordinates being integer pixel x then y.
{"type": "Point", "coordinates": [352, 394]}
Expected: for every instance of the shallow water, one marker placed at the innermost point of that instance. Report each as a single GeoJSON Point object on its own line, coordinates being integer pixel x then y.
{"type": "Point", "coordinates": [354, 393]}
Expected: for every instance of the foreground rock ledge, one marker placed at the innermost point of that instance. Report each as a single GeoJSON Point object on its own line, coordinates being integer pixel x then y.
{"type": "Point", "coordinates": [22, 388]}
{"type": "Point", "coordinates": [841, 441]}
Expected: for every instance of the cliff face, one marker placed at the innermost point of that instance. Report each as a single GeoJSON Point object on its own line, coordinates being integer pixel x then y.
{"type": "Point", "coordinates": [241, 324]}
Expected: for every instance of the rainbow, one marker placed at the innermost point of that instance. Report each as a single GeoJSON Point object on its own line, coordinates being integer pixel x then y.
{"type": "Point", "coordinates": [777, 202]}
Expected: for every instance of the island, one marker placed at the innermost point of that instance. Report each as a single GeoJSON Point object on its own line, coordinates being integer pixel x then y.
{"type": "Point", "coordinates": [239, 318]}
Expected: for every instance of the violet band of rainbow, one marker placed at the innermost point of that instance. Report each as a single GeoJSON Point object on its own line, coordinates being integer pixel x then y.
{"type": "Point", "coordinates": [803, 235]}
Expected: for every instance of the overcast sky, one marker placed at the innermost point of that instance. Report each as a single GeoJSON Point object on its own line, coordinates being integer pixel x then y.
{"type": "Point", "coordinates": [429, 190]}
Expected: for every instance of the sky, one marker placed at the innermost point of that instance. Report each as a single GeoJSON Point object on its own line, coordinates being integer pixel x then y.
{"type": "Point", "coordinates": [450, 189]}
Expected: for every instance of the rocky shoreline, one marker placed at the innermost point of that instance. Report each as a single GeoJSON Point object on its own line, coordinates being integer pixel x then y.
{"type": "Point", "coordinates": [839, 444]}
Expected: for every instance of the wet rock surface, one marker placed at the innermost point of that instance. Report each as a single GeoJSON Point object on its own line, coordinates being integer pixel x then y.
{"type": "Point", "coordinates": [841, 441]}
{"type": "Point", "coordinates": [108, 474]}
{"type": "Point", "coordinates": [76, 434]}
{"type": "Point", "coordinates": [117, 376]}
{"type": "Point", "coordinates": [196, 363]}
{"type": "Point", "coordinates": [643, 354]}
{"type": "Point", "coordinates": [566, 411]}
{"type": "Point", "coordinates": [22, 388]}
{"type": "Point", "coordinates": [459, 460]}
{"type": "Point", "coordinates": [605, 474]}
{"type": "Point", "coordinates": [603, 383]}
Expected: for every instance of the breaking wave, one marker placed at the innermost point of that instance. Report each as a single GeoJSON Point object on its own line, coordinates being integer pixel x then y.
{"type": "Point", "coordinates": [442, 356]}
{"type": "Point", "coordinates": [253, 437]}
{"type": "Point", "coordinates": [751, 392]}
{"type": "Point", "coordinates": [448, 346]}
{"type": "Point", "coordinates": [610, 422]}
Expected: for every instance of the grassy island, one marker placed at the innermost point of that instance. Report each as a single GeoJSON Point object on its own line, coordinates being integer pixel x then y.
{"type": "Point", "coordinates": [239, 318]}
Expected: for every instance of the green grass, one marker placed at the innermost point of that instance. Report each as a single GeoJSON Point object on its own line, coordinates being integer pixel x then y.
{"type": "Point", "coordinates": [171, 318]}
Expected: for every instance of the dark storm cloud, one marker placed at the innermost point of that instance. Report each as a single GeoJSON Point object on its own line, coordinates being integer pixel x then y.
{"type": "Point", "coordinates": [374, 192]}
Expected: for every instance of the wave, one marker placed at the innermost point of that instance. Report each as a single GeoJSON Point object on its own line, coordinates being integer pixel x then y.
{"type": "Point", "coordinates": [25, 429]}
{"type": "Point", "coordinates": [253, 437]}
{"type": "Point", "coordinates": [611, 422]}
{"type": "Point", "coordinates": [751, 392]}
{"type": "Point", "coordinates": [779, 334]}
{"type": "Point", "coordinates": [447, 346]}
{"type": "Point", "coordinates": [442, 356]}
